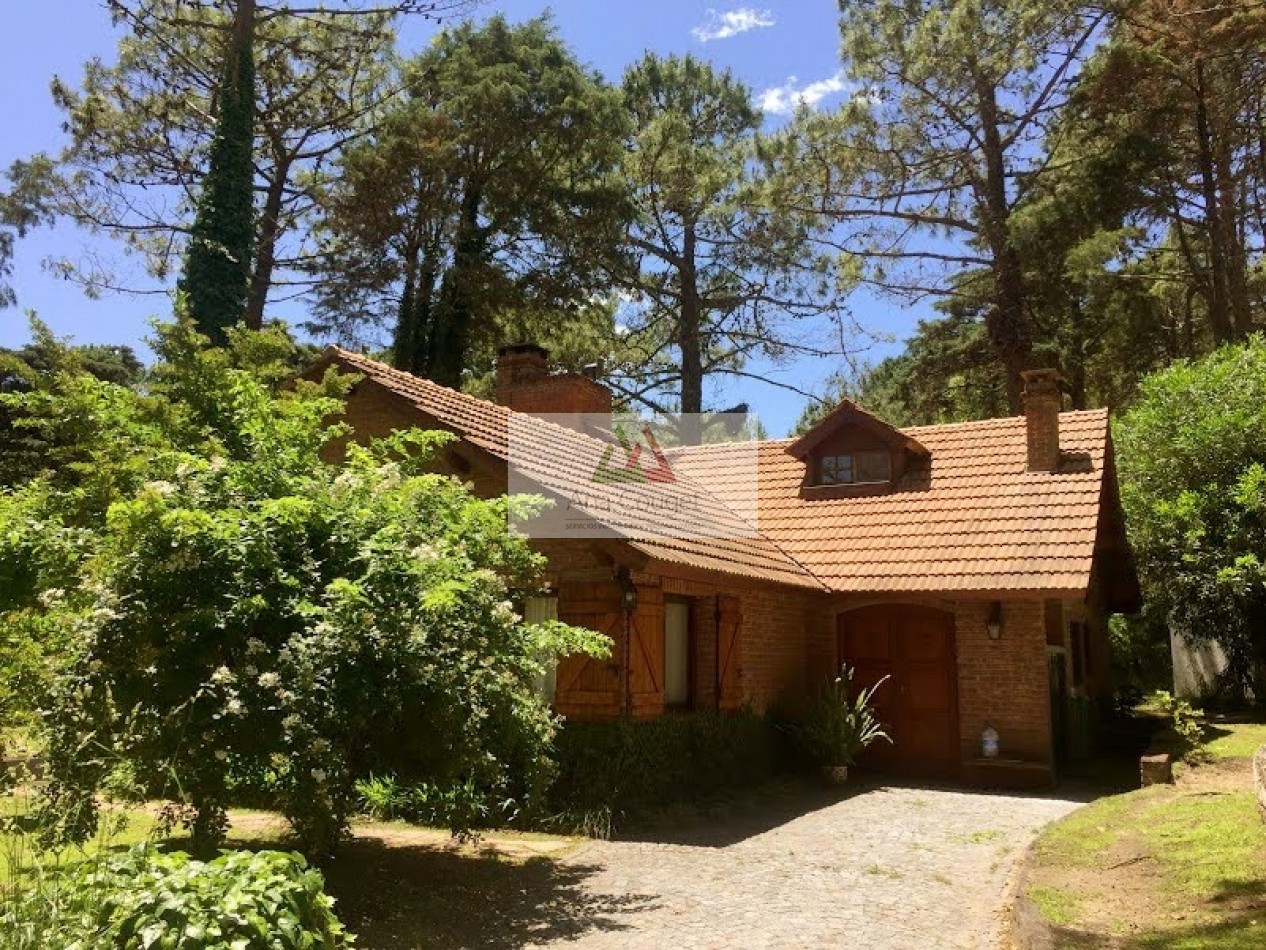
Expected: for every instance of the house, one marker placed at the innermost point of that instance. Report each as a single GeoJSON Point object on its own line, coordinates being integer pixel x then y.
{"type": "Point", "coordinates": [975, 564]}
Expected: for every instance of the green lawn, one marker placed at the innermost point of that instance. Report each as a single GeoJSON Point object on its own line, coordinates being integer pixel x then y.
{"type": "Point", "coordinates": [1236, 741]}
{"type": "Point", "coordinates": [1172, 867]}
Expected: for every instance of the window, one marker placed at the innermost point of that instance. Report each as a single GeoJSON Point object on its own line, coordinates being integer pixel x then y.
{"type": "Point", "coordinates": [539, 610]}
{"type": "Point", "coordinates": [859, 468]}
{"type": "Point", "coordinates": [837, 470]}
{"type": "Point", "coordinates": [676, 653]}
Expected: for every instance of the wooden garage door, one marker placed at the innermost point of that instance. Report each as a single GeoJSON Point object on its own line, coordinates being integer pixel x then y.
{"type": "Point", "coordinates": [914, 646]}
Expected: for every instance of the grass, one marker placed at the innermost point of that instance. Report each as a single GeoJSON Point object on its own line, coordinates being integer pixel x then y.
{"type": "Point", "coordinates": [1167, 867]}
{"type": "Point", "coordinates": [1057, 905]}
{"type": "Point", "coordinates": [1236, 741]}
{"type": "Point", "coordinates": [1083, 836]}
{"type": "Point", "coordinates": [398, 886]}
{"type": "Point", "coordinates": [1210, 845]}
{"type": "Point", "coordinates": [878, 870]}
{"type": "Point", "coordinates": [983, 836]}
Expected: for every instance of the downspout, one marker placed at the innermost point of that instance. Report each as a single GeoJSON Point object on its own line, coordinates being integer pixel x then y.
{"type": "Point", "coordinates": [626, 650]}
{"type": "Point", "coordinates": [716, 650]}
{"type": "Point", "coordinates": [626, 662]}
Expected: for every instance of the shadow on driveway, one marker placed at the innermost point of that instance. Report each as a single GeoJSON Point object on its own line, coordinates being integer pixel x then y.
{"type": "Point", "coordinates": [401, 896]}
{"type": "Point", "coordinates": [745, 815]}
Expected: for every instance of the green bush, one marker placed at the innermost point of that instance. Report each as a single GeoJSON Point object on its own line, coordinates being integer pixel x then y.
{"type": "Point", "coordinates": [462, 807]}
{"type": "Point", "coordinates": [1193, 485]}
{"type": "Point", "coordinates": [630, 767]}
{"type": "Point", "coordinates": [242, 622]}
{"type": "Point", "coordinates": [168, 901]}
{"type": "Point", "coordinates": [1186, 724]}
{"type": "Point", "coordinates": [841, 725]}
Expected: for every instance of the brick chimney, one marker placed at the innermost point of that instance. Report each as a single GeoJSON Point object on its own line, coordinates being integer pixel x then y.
{"type": "Point", "coordinates": [525, 384]}
{"type": "Point", "coordinates": [1042, 401]}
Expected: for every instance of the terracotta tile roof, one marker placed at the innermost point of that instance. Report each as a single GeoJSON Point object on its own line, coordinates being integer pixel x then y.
{"type": "Point", "coordinates": [974, 519]}
{"type": "Point", "coordinates": [970, 520]}
{"type": "Point", "coordinates": [562, 462]}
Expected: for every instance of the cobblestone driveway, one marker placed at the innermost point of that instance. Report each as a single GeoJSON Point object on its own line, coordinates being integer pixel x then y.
{"type": "Point", "coordinates": [890, 867]}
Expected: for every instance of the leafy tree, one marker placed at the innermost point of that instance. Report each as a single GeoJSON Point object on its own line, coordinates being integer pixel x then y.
{"type": "Point", "coordinates": [923, 169]}
{"type": "Point", "coordinates": [1189, 77]}
{"type": "Point", "coordinates": [43, 435]}
{"type": "Point", "coordinates": [1193, 470]}
{"type": "Point", "coordinates": [484, 202]}
{"type": "Point", "coordinates": [26, 205]}
{"type": "Point", "coordinates": [946, 373]}
{"type": "Point", "coordinates": [725, 272]}
{"type": "Point", "coordinates": [141, 129]}
{"type": "Point", "coordinates": [243, 617]}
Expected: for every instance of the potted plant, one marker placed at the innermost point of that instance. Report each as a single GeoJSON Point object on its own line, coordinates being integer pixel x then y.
{"type": "Point", "coordinates": [840, 725]}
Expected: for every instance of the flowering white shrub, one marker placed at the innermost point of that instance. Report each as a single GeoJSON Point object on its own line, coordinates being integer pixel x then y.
{"type": "Point", "coordinates": [253, 620]}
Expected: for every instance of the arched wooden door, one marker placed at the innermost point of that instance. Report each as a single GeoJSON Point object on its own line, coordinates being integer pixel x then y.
{"type": "Point", "coordinates": [914, 646]}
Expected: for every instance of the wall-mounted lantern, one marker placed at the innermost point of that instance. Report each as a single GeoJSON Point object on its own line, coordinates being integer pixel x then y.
{"type": "Point", "coordinates": [993, 622]}
{"type": "Point", "coordinates": [628, 591]}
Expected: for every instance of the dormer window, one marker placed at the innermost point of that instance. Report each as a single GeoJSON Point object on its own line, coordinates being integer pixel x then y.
{"type": "Point", "coordinates": [856, 468]}
{"type": "Point", "coordinates": [851, 452]}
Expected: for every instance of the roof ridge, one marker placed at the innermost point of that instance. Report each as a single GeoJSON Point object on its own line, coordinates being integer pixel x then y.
{"type": "Point", "coordinates": [377, 366]}
{"type": "Point", "coordinates": [929, 427]}
{"type": "Point", "coordinates": [996, 420]}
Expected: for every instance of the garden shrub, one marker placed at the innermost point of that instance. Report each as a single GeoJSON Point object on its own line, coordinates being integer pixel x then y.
{"type": "Point", "coordinates": [636, 766]}
{"type": "Point", "coordinates": [1193, 484]}
{"type": "Point", "coordinates": [1186, 725]}
{"type": "Point", "coordinates": [169, 901]}
{"type": "Point", "coordinates": [246, 622]}
{"type": "Point", "coordinates": [464, 806]}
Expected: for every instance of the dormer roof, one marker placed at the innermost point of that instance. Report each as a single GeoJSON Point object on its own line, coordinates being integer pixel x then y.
{"type": "Point", "coordinates": [850, 415]}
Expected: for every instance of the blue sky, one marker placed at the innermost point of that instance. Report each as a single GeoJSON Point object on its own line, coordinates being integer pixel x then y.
{"type": "Point", "coordinates": [784, 50]}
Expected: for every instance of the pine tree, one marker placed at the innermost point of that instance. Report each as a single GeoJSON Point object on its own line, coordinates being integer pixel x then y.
{"type": "Point", "coordinates": [216, 277]}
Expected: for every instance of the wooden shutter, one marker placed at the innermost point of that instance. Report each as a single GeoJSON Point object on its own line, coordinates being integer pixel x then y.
{"type": "Point", "coordinates": [729, 652]}
{"type": "Point", "coordinates": [646, 655]}
{"type": "Point", "coordinates": [589, 688]}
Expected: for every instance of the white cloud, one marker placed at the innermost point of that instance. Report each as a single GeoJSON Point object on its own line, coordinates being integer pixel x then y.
{"type": "Point", "coordinates": [721, 26]}
{"type": "Point", "coordinates": [783, 99]}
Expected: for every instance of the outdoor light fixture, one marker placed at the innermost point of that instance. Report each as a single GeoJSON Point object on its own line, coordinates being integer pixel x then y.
{"type": "Point", "coordinates": [628, 590]}
{"type": "Point", "coordinates": [993, 623]}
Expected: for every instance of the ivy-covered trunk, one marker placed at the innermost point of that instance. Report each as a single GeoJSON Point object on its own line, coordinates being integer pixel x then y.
{"type": "Point", "coordinates": [455, 313]}
{"type": "Point", "coordinates": [217, 272]}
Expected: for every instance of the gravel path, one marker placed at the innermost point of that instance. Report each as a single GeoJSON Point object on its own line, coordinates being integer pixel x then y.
{"type": "Point", "coordinates": [889, 867]}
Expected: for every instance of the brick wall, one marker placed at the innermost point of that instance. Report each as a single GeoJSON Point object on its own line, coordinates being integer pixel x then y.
{"type": "Point", "coordinates": [373, 413]}
{"type": "Point", "coordinates": [1004, 683]}
{"type": "Point", "coordinates": [1042, 402]}
{"type": "Point", "coordinates": [788, 636]}
{"type": "Point", "coordinates": [775, 626]}
{"type": "Point", "coordinates": [557, 394]}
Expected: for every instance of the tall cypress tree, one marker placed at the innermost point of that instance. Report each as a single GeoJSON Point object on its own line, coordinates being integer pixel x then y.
{"type": "Point", "coordinates": [217, 270]}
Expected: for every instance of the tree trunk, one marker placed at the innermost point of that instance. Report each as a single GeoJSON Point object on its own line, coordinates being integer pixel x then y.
{"type": "Point", "coordinates": [1218, 295]}
{"type": "Point", "coordinates": [454, 312]}
{"type": "Point", "coordinates": [1075, 358]}
{"type": "Point", "coordinates": [1231, 226]}
{"type": "Point", "coordinates": [243, 27]}
{"type": "Point", "coordinates": [266, 245]}
{"type": "Point", "coordinates": [689, 343]}
{"type": "Point", "coordinates": [216, 276]}
{"type": "Point", "coordinates": [1005, 320]}
{"type": "Point", "coordinates": [404, 340]}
